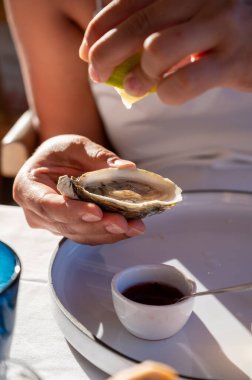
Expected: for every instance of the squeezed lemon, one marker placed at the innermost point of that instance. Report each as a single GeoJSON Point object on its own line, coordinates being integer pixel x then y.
{"type": "Point", "coordinates": [117, 77]}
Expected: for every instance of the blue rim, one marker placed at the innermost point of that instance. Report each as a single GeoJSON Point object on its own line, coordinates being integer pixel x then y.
{"type": "Point", "coordinates": [16, 275]}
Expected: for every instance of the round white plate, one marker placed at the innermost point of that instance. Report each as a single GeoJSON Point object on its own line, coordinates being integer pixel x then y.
{"type": "Point", "coordinates": [209, 237]}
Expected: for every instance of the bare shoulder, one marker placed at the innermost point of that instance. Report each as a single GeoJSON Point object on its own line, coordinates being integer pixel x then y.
{"type": "Point", "coordinates": [47, 35]}
{"type": "Point", "coordinates": [79, 11]}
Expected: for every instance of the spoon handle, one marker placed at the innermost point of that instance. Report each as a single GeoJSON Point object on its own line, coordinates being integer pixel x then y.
{"type": "Point", "coordinates": [235, 288]}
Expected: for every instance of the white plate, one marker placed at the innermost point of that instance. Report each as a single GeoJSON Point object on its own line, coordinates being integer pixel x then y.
{"type": "Point", "coordinates": [208, 235]}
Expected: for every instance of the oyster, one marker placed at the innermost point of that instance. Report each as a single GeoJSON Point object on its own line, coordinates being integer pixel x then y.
{"type": "Point", "coordinates": [134, 193]}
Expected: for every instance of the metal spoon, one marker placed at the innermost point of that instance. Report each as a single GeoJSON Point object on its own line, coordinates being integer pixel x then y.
{"type": "Point", "coordinates": [231, 289]}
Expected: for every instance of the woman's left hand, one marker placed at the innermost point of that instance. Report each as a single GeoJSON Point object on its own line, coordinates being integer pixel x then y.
{"type": "Point", "coordinates": [36, 192]}
{"type": "Point", "coordinates": [188, 47]}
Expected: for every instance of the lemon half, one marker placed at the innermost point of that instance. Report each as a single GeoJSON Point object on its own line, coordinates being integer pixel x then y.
{"type": "Point", "coordinates": [117, 77]}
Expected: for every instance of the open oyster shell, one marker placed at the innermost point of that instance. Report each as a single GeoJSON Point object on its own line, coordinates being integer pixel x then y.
{"type": "Point", "coordinates": [134, 193]}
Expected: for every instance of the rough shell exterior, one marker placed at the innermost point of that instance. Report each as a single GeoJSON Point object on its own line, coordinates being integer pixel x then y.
{"type": "Point", "coordinates": [75, 188]}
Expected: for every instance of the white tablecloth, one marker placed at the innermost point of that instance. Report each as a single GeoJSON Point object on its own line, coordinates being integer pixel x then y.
{"type": "Point", "coordinates": [37, 339]}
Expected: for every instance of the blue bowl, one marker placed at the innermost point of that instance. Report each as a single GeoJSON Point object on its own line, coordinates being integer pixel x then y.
{"type": "Point", "coordinates": [10, 270]}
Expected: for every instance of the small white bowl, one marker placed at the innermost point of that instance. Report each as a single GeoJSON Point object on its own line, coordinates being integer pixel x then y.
{"type": "Point", "coordinates": [150, 321]}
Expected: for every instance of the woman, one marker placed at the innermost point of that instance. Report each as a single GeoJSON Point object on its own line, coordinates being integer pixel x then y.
{"type": "Point", "coordinates": [204, 143]}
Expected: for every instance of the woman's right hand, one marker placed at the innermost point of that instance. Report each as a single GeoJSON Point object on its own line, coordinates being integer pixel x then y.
{"type": "Point", "coordinates": [187, 47]}
{"type": "Point", "coordinates": [35, 191]}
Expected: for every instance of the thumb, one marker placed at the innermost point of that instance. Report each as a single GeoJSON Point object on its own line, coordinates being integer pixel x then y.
{"type": "Point", "coordinates": [103, 157]}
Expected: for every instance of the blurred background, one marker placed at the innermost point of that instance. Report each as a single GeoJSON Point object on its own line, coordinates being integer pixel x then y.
{"type": "Point", "coordinates": [12, 95]}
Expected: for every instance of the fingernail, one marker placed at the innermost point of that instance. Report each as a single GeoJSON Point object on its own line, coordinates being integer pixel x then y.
{"type": "Point", "coordinates": [90, 218]}
{"type": "Point", "coordinates": [83, 51]}
{"type": "Point", "coordinates": [114, 229]}
{"type": "Point", "coordinates": [134, 86]}
{"type": "Point", "coordinates": [93, 74]}
{"type": "Point", "coordinates": [120, 163]}
{"type": "Point", "coordinates": [134, 232]}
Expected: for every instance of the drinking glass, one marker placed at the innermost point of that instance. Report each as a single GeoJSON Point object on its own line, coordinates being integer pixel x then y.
{"type": "Point", "coordinates": [10, 271]}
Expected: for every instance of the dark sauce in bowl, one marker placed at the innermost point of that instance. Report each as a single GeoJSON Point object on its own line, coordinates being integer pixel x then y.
{"type": "Point", "coordinates": [153, 293]}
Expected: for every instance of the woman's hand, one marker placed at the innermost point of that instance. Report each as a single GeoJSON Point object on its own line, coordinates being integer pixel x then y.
{"type": "Point", "coordinates": [35, 190]}
{"type": "Point", "coordinates": [187, 47]}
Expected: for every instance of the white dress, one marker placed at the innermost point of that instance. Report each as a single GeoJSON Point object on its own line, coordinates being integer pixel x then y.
{"type": "Point", "coordinates": [203, 144]}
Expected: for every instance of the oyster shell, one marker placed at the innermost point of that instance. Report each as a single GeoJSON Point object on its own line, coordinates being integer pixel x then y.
{"type": "Point", "coordinates": [134, 193]}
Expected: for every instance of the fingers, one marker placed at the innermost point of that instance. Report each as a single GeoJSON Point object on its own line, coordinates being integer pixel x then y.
{"type": "Point", "coordinates": [72, 155]}
{"type": "Point", "coordinates": [168, 33]}
{"type": "Point", "coordinates": [35, 190]}
{"type": "Point", "coordinates": [111, 229]}
{"type": "Point", "coordinates": [80, 221]}
{"type": "Point", "coordinates": [112, 15]}
{"type": "Point", "coordinates": [36, 193]}
{"type": "Point", "coordinates": [100, 157]}
{"type": "Point", "coordinates": [165, 51]}
{"type": "Point", "coordinates": [109, 51]}
{"type": "Point", "coordinates": [191, 80]}
{"type": "Point", "coordinates": [56, 208]}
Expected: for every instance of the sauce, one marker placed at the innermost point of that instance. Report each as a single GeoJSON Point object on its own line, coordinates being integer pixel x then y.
{"type": "Point", "coordinates": [153, 293]}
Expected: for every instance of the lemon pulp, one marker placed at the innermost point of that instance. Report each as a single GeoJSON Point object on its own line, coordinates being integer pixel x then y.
{"type": "Point", "coordinates": [117, 77]}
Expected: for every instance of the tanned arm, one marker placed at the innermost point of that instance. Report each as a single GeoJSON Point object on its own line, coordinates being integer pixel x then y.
{"type": "Point", "coordinates": [47, 35]}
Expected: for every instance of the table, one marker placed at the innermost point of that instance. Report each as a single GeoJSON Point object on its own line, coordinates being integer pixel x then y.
{"type": "Point", "coordinates": [37, 339]}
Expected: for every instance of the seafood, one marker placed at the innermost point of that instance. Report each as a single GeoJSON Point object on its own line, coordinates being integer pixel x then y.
{"type": "Point", "coordinates": [134, 193]}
